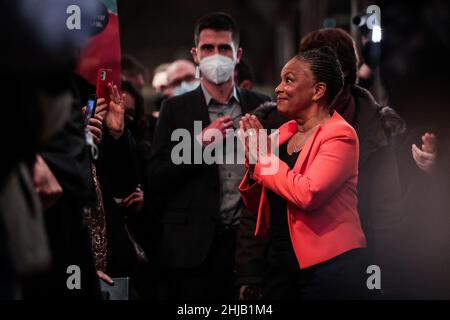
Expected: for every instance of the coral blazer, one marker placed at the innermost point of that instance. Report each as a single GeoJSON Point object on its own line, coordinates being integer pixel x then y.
{"type": "Point", "coordinates": [320, 192]}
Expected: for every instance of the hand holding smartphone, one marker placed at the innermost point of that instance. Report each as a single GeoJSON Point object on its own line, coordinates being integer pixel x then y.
{"type": "Point", "coordinates": [90, 107]}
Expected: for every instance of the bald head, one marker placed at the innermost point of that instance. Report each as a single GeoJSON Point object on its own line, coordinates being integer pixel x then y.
{"type": "Point", "coordinates": [180, 70]}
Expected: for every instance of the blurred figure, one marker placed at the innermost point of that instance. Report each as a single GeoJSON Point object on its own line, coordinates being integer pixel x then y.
{"type": "Point", "coordinates": [159, 81]}
{"type": "Point", "coordinates": [134, 111]}
{"type": "Point", "coordinates": [159, 84]}
{"type": "Point", "coordinates": [370, 60]}
{"type": "Point", "coordinates": [67, 156]}
{"type": "Point", "coordinates": [136, 122]}
{"type": "Point", "coordinates": [243, 75]}
{"type": "Point", "coordinates": [414, 69]}
{"type": "Point", "coordinates": [133, 71]}
{"type": "Point", "coordinates": [39, 86]}
{"type": "Point", "coordinates": [180, 78]}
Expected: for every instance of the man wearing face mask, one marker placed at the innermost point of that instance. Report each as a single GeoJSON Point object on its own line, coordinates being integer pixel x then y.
{"type": "Point", "coordinates": [181, 78]}
{"type": "Point", "coordinates": [198, 205]}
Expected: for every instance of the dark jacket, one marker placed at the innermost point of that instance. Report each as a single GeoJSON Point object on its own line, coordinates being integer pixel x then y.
{"type": "Point", "coordinates": [425, 236]}
{"type": "Point", "coordinates": [378, 191]}
{"type": "Point", "coordinates": [117, 173]}
{"type": "Point", "coordinates": [186, 196]}
{"type": "Point", "coordinates": [68, 158]}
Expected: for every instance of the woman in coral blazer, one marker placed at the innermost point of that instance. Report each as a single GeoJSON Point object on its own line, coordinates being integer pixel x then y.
{"type": "Point", "coordinates": [306, 197]}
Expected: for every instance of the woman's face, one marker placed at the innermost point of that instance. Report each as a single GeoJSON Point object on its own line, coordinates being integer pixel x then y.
{"type": "Point", "coordinates": [297, 88]}
{"type": "Point", "coordinates": [129, 105]}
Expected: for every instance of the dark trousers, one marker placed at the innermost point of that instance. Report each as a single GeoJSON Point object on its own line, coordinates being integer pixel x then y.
{"type": "Point", "coordinates": [342, 277]}
{"type": "Point", "coordinates": [212, 280]}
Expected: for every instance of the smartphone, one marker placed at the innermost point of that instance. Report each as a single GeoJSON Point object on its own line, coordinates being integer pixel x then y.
{"type": "Point", "coordinates": [104, 76]}
{"type": "Point", "coordinates": [90, 107]}
{"type": "Point", "coordinates": [120, 290]}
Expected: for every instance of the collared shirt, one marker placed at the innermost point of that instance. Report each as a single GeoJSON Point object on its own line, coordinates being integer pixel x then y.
{"type": "Point", "coordinates": [231, 174]}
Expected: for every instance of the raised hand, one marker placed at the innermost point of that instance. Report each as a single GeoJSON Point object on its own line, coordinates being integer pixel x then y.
{"type": "Point", "coordinates": [425, 158]}
{"type": "Point", "coordinates": [115, 116]}
{"type": "Point", "coordinates": [46, 184]}
{"type": "Point", "coordinates": [209, 134]}
{"type": "Point", "coordinates": [254, 137]}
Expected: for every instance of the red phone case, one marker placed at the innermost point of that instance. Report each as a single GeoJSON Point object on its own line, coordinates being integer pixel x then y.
{"type": "Point", "coordinates": [104, 76]}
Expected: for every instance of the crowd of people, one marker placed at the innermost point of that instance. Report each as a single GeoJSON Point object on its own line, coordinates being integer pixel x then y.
{"type": "Point", "coordinates": [356, 183]}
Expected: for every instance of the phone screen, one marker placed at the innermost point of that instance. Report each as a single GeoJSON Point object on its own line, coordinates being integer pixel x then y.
{"type": "Point", "coordinates": [90, 107]}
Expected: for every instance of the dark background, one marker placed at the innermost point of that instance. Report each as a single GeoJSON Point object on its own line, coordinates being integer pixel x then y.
{"type": "Point", "coordinates": [162, 31]}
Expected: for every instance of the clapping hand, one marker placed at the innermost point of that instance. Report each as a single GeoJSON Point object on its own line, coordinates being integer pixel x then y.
{"type": "Point", "coordinates": [114, 118]}
{"type": "Point", "coordinates": [254, 138]}
{"type": "Point", "coordinates": [425, 158]}
{"type": "Point", "coordinates": [208, 135]}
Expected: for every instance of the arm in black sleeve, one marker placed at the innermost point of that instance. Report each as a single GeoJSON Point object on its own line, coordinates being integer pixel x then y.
{"type": "Point", "coordinates": [379, 197]}
{"type": "Point", "coordinates": [67, 156]}
{"type": "Point", "coordinates": [120, 163]}
{"type": "Point", "coordinates": [163, 173]}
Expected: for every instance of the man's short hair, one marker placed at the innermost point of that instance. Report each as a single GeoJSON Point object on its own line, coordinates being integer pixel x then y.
{"type": "Point", "coordinates": [218, 21]}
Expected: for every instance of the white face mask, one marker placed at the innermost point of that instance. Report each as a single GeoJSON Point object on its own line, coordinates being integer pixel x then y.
{"type": "Point", "coordinates": [185, 87]}
{"type": "Point", "coordinates": [217, 68]}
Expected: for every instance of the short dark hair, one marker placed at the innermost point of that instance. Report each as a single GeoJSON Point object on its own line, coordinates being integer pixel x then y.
{"type": "Point", "coordinates": [244, 72]}
{"type": "Point", "coordinates": [133, 66]}
{"type": "Point", "coordinates": [342, 44]}
{"type": "Point", "coordinates": [218, 21]}
{"type": "Point", "coordinates": [325, 68]}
